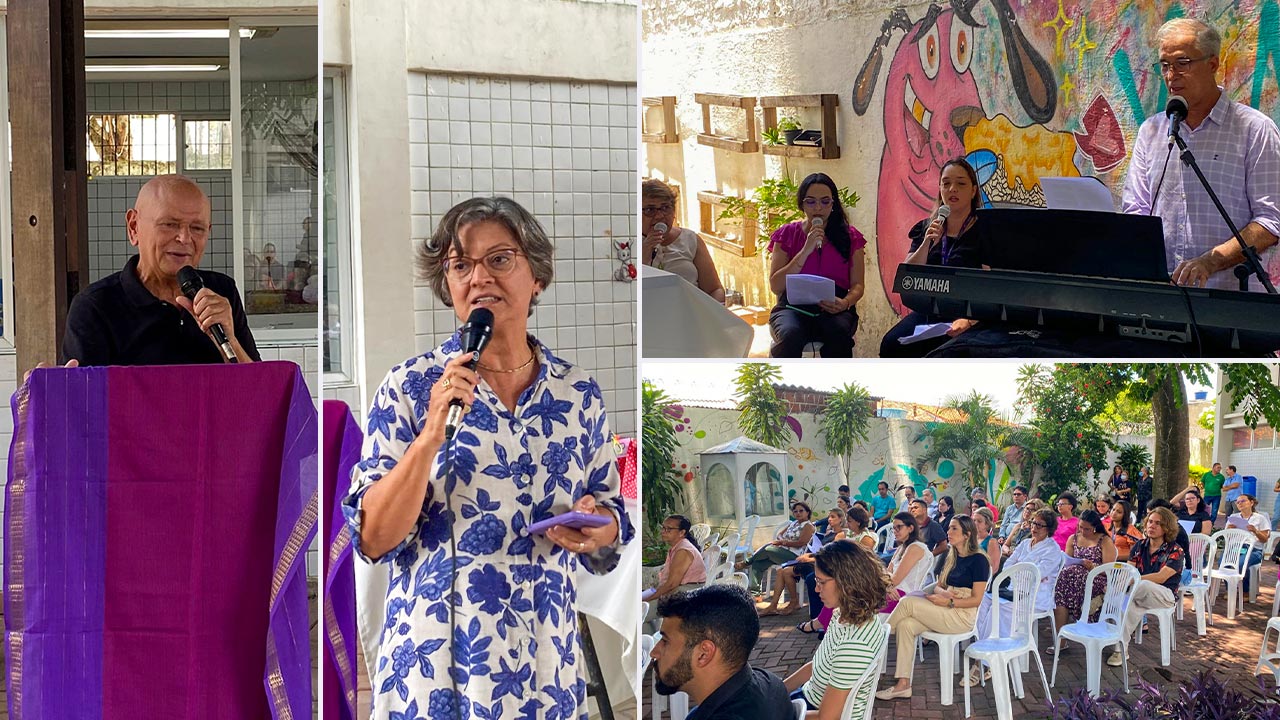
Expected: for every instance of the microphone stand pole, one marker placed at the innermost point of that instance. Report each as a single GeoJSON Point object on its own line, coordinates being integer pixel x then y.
{"type": "Point", "coordinates": [1250, 255]}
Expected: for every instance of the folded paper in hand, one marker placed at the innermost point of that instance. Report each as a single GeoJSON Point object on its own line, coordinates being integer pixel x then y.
{"type": "Point", "coordinates": [926, 332]}
{"type": "Point", "coordinates": [809, 289]}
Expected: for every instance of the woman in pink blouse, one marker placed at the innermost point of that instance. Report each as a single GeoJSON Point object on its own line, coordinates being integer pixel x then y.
{"type": "Point", "coordinates": [824, 244]}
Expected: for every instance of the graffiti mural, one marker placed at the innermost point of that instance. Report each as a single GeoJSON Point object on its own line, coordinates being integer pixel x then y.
{"type": "Point", "coordinates": [1046, 88]}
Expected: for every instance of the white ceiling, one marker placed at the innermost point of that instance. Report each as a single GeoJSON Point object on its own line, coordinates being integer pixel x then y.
{"type": "Point", "coordinates": [279, 53]}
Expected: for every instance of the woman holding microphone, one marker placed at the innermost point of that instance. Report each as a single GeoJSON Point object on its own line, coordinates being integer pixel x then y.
{"type": "Point", "coordinates": [481, 613]}
{"type": "Point", "coordinates": [674, 249]}
{"type": "Point", "coordinates": [824, 244]}
{"type": "Point", "coordinates": [944, 238]}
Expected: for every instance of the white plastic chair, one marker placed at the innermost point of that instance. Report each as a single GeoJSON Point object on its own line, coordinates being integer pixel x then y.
{"type": "Point", "coordinates": [867, 682]}
{"type": "Point", "coordinates": [885, 541]}
{"type": "Point", "coordinates": [1108, 630]}
{"type": "Point", "coordinates": [1254, 571]}
{"type": "Point", "coordinates": [1236, 547]}
{"type": "Point", "coordinates": [1270, 661]}
{"type": "Point", "coordinates": [1203, 550]}
{"type": "Point", "coordinates": [1001, 650]}
{"type": "Point", "coordinates": [948, 653]}
{"type": "Point", "coordinates": [746, 536]}
{"type": "Point", "coordinates": [676, 704]}
{"type": "Point", "coordinates": [699, 532]}
{"type": "Point", "coordinates": [711, 556]}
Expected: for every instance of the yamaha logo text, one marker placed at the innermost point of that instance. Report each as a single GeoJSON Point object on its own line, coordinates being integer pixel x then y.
{"type": "Point", "coordinates": [938, 286]}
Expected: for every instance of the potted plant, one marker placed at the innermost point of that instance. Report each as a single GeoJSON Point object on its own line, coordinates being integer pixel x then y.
{"type": "Point", "coordinates": [790, 128]}
{"type": "Point", "coordinates": [775, 202]}
{"type": "Point", "coordinates": [772, 136]}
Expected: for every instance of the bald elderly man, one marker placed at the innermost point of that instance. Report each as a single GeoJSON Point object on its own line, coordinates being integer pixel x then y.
{"type": "Point", "coordinates": [139, 316]}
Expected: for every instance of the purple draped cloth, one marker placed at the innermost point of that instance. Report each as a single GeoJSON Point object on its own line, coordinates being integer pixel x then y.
{"type": "Point", "coordinates": [342, 440]}
{"type": "Point", "coordinates": [156, 527]}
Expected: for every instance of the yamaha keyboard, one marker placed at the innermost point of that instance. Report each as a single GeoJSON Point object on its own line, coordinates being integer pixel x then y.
{"type": "Point", "coordinates": [1211, 322]}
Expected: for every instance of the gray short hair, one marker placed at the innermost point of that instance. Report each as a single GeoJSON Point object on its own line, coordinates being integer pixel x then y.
{"type": "Point", "coordinates": [526, 230]}
{"type": "Point", "coordinates": [1208, 39]}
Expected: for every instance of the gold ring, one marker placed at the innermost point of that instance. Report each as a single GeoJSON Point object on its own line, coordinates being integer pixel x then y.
{"type": "Point", "coordinates": [445, 382]}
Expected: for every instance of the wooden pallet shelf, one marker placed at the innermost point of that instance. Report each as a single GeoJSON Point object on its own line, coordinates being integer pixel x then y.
{"type": "Point", "coordinates": [830, 148]}
{"type": "Point", "coordinates": [669, 133]}
{"type": "Point", "coordinates": [744, 245]}
{"type": "Point", "coordinates": [749, 144]}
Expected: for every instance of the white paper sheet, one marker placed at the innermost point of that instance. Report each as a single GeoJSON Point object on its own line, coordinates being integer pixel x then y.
{"type": "Point", "coordinates": [809, 289]}
{"type": "Point", "coordinates": [1187, 525]}
{"type": "Point", "coordinates": [1077, 193]}
{"type": "Point", "coordinates": [926, 332]}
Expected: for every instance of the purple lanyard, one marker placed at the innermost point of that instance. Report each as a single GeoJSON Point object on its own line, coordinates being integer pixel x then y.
{"type": "Point", "coordinates": [946, 248]}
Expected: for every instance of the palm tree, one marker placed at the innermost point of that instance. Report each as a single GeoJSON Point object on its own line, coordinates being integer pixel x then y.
{"type": "Point", "coordinates": [975, 444]}
{"type": "Point", "coordinates": [761, 412]}
{"type": "Point", "coordinates": [845, 423]}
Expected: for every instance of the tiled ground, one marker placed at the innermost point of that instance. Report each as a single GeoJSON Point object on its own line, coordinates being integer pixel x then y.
{"type": "Point", "coordinates": [1230, 647]}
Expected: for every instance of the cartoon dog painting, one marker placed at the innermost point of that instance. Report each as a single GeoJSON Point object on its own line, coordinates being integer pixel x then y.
{"type": "Point", "coordinates": [931, 98]}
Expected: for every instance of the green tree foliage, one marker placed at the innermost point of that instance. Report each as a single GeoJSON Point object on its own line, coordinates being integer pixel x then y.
{"type": "Point", "coordinates": [761, 413]}
{"type": "Point", "coordinates": [975, 444]}
{"type": "Point", "coordinates": [663, 492]}
{"type": "Point", "coordinates": [845, 423]}
{"type": "Point", "coordinates": [1133, 457]}
{"type": "Point", "coordinates": [1065, 442]}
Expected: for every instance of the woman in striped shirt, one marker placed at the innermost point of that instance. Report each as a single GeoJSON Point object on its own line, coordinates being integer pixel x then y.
{"type": "Point", "coordinates": [852, 581]}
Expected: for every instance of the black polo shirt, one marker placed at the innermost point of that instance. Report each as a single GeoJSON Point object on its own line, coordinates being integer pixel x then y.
{"type": "Point", "coordinates": [750, 694]}
{"type": "Point", "coordinates": [117, 321]}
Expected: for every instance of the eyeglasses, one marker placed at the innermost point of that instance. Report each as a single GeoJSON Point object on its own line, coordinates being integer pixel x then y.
{"type": "Point", "coordinates": [819, 582]}
{"type": "Point", "coordinates": [497, 263]}
{"type": "Point", "coordinates": [671, 529]}
{"type": "Point", "coordinates": [815, 202]}
{"type": "Point", "coordinates": [655, 209]}
{"type": "Point", "coordinates": [1040, 524]}
{"type": "Point", "coordinates": [1178, 66]}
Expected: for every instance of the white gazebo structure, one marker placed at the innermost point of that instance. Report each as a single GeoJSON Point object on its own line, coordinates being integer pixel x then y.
{"type": "Point", "coordinates": [743, 478]}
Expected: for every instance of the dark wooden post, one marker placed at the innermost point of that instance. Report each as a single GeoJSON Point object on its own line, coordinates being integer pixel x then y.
{"type": "Point", "coordinates": [50, 212]}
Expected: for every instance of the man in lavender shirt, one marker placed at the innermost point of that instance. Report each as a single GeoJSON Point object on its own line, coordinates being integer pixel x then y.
{"type": "Point", "coordinates": [1237, 148]}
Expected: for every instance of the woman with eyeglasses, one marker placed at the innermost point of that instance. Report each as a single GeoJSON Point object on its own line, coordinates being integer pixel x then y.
{"type": "Point", "coordinates": [684, 568]}
{"type": "Point", "coordinates": [1253, 523]}
{"type": "Point", "coordinates": [951, 607]}
{"type": "Point", "coordinates": [677, 250]}
{"type": "Point", "coordinates": [1023, 530]}
{"type": "Point", "coordinates": [1195, 511]}
{"type": "Point", "coordinates": [1092, 547]}
{"type": "Point", "coordinates": [793, 540]}
{"type": "Point", "coordinates": [852, 583]}
{"type": "Point", "coordinates": [450, 519]}
{"type": "Point", "coordinates": [941, 239]}
{"type": "Point", "coordinates": [839, 526]}
{"type": "Point", "coordinates": [1067, 520]}
{"type": "Point", "coordinates": [859, 534]}
{"type": "Point", "coordinates": [822, 244]}
{"type": "Point", "coordinates": [1102, 506]}
{"type": "Point", "coordinates": [1039, 549]}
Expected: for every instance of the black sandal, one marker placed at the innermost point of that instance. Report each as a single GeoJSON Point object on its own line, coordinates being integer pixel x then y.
{"type": "Point", "coordinates": [810, 627]}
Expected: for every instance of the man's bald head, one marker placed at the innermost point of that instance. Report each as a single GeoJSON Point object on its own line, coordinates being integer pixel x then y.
{"type": "Point", "coordinates": [169, 224]}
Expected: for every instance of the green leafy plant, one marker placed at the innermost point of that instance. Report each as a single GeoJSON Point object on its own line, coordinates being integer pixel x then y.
{"type": "Point", "coordinates": [845, 423]}
{"type": "Point", "coordinates": [663, 491]}
{"type": "Point", "coordinates": [975, 444]}
{"type": "Point", "coordinates": [775, 205]}
{"type": "Point", "coordinates": [762, 414]}
{"type": "Point", "coordinates": [1133, 457]}
{"type": "Point", "coordinates": [789, 123]}
{"type": "Point", "coordinates": [1200, 697]}
{"type": "Point", "coordinates": [772, 136]}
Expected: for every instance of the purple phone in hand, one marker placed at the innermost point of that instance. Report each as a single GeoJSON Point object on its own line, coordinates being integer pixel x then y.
{"type": "Point", "coordinates": [573, 519]}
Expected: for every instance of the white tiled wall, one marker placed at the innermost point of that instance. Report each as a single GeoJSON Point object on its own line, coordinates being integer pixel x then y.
{"type": "Point", "coordinates": [110, 197]}
{"type": "Point", "coordinates": [566, 151]}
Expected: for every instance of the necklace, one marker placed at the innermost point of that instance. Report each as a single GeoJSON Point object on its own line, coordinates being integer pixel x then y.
{"type": "Point", "coordinates": [518, 368]}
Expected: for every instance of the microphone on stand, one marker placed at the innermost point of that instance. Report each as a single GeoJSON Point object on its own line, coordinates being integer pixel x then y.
{"type": "Point", "coordinates": [661, 229]}
{"type": "Point", "coordinates": [191, 283]}
{"type": "Point", "coordinates": [1176, 110]}
{"type": "Point", "coordinates": [474, 335]}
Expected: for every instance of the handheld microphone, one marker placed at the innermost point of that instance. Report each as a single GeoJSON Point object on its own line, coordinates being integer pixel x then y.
{"type": "Point", "coordinates": [192, 283]}
{"type": "Point", "coordinates": [474, 335]}
{"type": "Point", "coordinates": [661, 229]}
{"type": "Point", "coordinates": [1176, 110]}
{"type": "Point", "coordinates": [944, 212]}
{"type": "Point", "coordinates": [816, 223]}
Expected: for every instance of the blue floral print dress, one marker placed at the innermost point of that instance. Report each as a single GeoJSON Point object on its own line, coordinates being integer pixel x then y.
{"type": "Point", "coordinates": [516, 650]}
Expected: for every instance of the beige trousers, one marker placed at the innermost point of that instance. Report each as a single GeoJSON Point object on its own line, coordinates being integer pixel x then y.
{"type": "Point", "coordinates": [915, 615]}
{"type": "Point", "coordinates": [1146, 594]}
